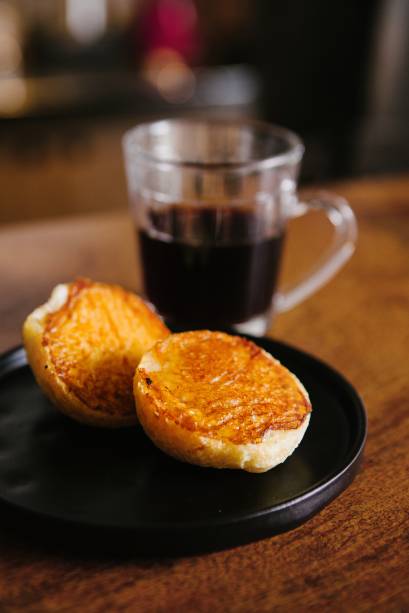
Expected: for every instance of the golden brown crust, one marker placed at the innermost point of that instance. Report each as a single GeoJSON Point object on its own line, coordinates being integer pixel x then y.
{"type": "Point", "coordinates": [85, 352]}
{"type": "Point", "coordinates": [217, 400]}
{"type": "Point", "coordinates": [222, 386]}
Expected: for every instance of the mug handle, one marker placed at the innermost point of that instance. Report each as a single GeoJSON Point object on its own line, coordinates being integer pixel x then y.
{"type": "Point", "coordinates": [339, 251]}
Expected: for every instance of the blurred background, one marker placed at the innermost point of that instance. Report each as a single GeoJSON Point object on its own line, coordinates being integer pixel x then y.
{"type": "Point", "coordinates": [75, 74]}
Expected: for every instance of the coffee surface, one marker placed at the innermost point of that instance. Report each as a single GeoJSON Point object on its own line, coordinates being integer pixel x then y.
{"type": "Point", "coordinates": [209, 267]}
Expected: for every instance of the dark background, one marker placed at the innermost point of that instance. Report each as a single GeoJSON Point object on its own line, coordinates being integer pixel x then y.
{"type": "Point", "coordinates": [74, 75]}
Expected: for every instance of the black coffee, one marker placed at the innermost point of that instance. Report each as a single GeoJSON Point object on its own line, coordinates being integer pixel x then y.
{"type": "Point", "coordinates": [208, 267]}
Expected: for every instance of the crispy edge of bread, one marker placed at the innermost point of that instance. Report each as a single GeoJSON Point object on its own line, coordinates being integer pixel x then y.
{"type": "Point", "coordinates": [47, 377]}
{"type": "Point", "coordinates": [195, 448]}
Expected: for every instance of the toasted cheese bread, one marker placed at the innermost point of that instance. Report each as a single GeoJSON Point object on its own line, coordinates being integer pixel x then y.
{"type": "Point", "coordinates": [218, 400]}
{"type": "Point", "coordinates": [83, 346]}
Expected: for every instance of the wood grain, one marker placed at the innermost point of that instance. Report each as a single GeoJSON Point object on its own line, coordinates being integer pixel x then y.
{"type": "Point", "coordinates": [354, 555]}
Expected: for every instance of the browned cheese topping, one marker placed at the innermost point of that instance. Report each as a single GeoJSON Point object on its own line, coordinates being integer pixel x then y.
{"type": "Point", "coordinates": [94, 342]}
{"type": "Point", "coordinates": [223, 386]}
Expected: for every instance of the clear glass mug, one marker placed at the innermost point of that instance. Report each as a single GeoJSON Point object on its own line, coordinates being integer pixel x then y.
{"type": "Point", "coordinates": [211, 201]}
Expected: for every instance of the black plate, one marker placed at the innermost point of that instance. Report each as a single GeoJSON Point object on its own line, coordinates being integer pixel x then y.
{"type": "Point", "coordinates": [113, 488]}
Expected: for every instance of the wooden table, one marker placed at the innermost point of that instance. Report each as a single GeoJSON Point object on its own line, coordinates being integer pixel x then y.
{"type": "Point", "coordinates": [354, 555]}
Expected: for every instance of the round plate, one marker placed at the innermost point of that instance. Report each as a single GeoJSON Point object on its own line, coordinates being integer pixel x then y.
{"type": "Point", "coordinates": [114, 489]}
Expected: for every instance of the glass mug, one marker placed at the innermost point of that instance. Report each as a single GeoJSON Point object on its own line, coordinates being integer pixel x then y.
{"type": "Point", "coordinates": [211, 201]}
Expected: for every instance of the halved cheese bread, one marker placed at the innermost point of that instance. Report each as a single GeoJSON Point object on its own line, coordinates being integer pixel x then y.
{"type": "Point", "coordinates": [212, 399]}
{"type": "Point", "coordinates": [84, 345]}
